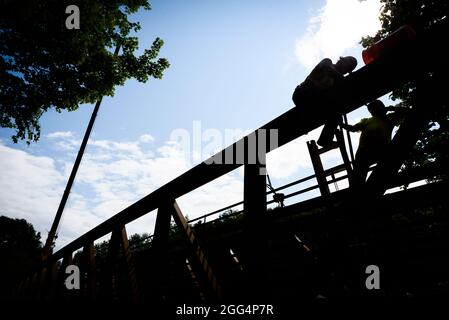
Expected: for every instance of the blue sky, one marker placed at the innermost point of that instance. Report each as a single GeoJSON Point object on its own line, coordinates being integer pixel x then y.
{"type": "Point", "coordinates": [234, 66]}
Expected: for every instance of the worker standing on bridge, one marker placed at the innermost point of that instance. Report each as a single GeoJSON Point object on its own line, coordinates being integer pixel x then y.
{"type": "Point", "coordinates": [311, 95]}
{"type": "Point", "coordinates": [375, 137]}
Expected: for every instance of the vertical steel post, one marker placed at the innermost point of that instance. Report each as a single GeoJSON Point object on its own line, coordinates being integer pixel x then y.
{"type": "Point", "coordinates": [89, 282]}
{"type": "Point", "coordinates": [130, 268]}
{"type": "Point", "coordinates": [256, 248]}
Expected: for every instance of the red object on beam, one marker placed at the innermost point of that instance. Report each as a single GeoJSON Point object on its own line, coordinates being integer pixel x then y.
{"type": "Point", "coordinates": [383, 47]}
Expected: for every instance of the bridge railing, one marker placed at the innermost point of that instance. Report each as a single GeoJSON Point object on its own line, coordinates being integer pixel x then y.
{"type": "Point", "coordinates": [216, 214]}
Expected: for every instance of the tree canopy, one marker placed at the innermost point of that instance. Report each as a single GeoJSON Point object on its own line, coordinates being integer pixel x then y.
{"type": "Point", "coordinates": [420, 14]}
{"type": "Point", "coordinates": [45, 65]}
{"type": "Point", "coordinates": [20, 249]}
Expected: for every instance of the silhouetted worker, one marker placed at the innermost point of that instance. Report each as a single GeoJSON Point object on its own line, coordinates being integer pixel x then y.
{"type": "Point", "coordinates": [375, 137]}
{"type": "Point", "coordinates": [312, 95]}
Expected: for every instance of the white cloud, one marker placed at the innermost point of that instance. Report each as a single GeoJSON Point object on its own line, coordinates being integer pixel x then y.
{"type": "Point", "coordinates": [112, 176]}
{"type": "Point", "coordinates": [66, 145]}
{"type": "Point", "coordinates": [215, 195]}
{"type": "Point", "coordinates": [290, 158]}
{"type": "Point", "coordinates": [337, 27]}
{"type": "Point", "coordinates": [127, 148]}
{"type": "Point", "coordinates": [60, 134]}
{"type": "Point", "coordinates": [146, 138]}
{"type": "Point", "coordinates": [30, 187]}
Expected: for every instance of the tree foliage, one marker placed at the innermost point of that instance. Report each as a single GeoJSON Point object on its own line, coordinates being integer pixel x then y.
{"type": "Point", "coordinates": [136, 242]}
{"type": "Point", "coordinates": [422, 15]}
{"type": "Point", "coordinates": [44, 65]}
{"type": "Point", "coordinates": [20, 251]}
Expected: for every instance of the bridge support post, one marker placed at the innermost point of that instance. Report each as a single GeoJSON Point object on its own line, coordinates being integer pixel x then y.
{"type": "Point", "coordinates": [41, 289]}
{"type": "Point", "coordinates": [62, 291]}
{"type": "Point", "coordinates": [119, 241]}
{"type": "Point", "coordinates": [159, 247]}
{"type": "Point", "coordinates": [162, 229]}
{"type": "Point", "coordinates": [52, 281]}
{"type": "Point", "coordinates": [130, 267]}
{"type": "Point", "coordinates": [88, 265]}
{"type": "Point", "coordinates": [198, 252]}
{"type": "Point", "coordinates": [256, 248]}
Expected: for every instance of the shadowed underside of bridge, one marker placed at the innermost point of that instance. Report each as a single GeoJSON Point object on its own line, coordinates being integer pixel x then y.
{"type": "Point", "coordinates": [320, 247]}
{"type": "Point", "coordinates": [314, 248]}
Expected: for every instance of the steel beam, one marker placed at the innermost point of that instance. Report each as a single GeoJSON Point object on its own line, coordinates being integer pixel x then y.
{"type": "Point", "coordinates": [256, 253]}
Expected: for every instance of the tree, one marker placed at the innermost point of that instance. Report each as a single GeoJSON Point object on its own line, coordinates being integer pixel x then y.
{"type": "Point", "coordinates": [45, 65]}
{"type": "Point", "coordinates": [137, 242]}
{"type": "Point", "coordinates": [20, 249]}
{"type": "Point", "coordinates": [421, 14]}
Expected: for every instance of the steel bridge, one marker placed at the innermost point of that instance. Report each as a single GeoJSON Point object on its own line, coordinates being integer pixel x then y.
{"type": "Point", "coordinates": [315, 247]}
